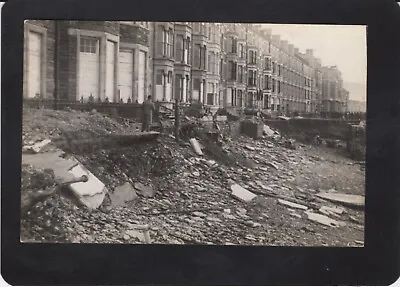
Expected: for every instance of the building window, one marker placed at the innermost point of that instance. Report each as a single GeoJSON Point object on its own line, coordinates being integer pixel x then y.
{"type": "Point", "coordinates": [239, 99]}
{"type": "Point", "coordinates": [88, 45]}
{"type": "Point", "coordinates": [203, 56]}
{"type": "Point", "coordinates": [273, 85]}
{"type": "Point", "coordinates": [252, 78]}
{"type": "Point", "coordinates": [240, 74]}
{"type": "Point", "coordinates": [196, 60]}
{"type": "Point", "coordinates": [253, 57]}
{"type": "Point", "coordinates": [232, 66]}
{"type": "Point", "coordinates": [168, 40]}
{"type": "Point", "coordinates": [159, 77]}
{"type": "Point", "coordinates": [266, 82]}
{"type": "Point", "coordinates": [216, 64]}
{"type": "Point", "coordinates": [241, 51]}
{"type": "Point", "coordinates": [209, 61]}
{"type": "Point", "coordinates": [233, 45]}
{"type": "Point", "coordinates": [250, 100]}
{"type": "Point", "coordinates": [179, 48]}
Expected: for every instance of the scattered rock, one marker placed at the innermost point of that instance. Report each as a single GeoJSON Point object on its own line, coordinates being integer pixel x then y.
{"type": "Point", "coordinates": [214, 219]}
{"type": "Point", "coordinates": [122, 194]}
{"type": "Point", "coordinates": [345, 199]}
{"type": "Point", "coordinates": [268, 132]}
{"type": "Point", "coordinates": [37, 147]}
{"type": "Point", "coordinates": [272, 164]}
{"type": "Point", "coordinates": [250, 147]}
{"type": "Point", "coordinates": [196, 146]}
{"type": "Point", "coordinates": [242, 194]}
{"type": "Point", "coordinates": [331, 210]}
{"type": "Point", "coordinates": [292, 204]}
{"type": "Point", "coordinates": [143, 190]}
{"type": "Point", "coordinates": [322, 219]}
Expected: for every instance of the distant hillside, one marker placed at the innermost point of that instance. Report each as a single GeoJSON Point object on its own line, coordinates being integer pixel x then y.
{"type": "Point", "coordinates": [358, 92]}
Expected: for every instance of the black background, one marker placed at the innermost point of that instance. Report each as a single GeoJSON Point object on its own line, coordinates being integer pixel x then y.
{"type": "Point", "coordinates": [69, 264]}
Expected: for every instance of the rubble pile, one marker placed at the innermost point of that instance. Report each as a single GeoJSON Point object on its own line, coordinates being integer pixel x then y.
{"type": "Point", "coordinates": [266, 193]}
{"type": "Point", "coordinates": [40, 124]}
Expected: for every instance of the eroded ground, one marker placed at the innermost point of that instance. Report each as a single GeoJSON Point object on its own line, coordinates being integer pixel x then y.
{"type": "Point", "coordinates": [193, 202]}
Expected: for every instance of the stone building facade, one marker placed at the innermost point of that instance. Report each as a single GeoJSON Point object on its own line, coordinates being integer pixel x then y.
{"type": "Point", "coordinates": [216, 64]}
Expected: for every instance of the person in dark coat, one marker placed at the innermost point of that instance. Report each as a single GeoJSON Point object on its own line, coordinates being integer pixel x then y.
{"type": "Point", "coordinates": [147, 109]}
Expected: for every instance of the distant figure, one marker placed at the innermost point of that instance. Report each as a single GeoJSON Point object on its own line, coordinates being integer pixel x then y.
{"type": "Point", "coordinates": [106, 100]}
{"type": "Point", "coordinates": [147, 110]}
{"type": "Point", "coordinates": [129, 100]}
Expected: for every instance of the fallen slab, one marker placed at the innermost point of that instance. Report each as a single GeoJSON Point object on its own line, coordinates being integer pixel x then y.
{"type": "Point", "coordinates": [90, 193]}
{"type": "Point", "coordinates": [350, 200]}
{"type": "Point", "coordinates": [54, 161]}
{"type": "Point", "coordinates": [292, 204]}
{"type": "Point", "coordinates": [322, 219]}
{"type": "Point", "coordinates": [242, 193]}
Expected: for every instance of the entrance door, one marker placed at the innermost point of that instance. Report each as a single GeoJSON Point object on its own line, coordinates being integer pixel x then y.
{"type": "Point", "coordinates": [89, 58]}
{"type": "Point", "coordinates": [125, 74]}
{"type": "Point", "coordinates": [110, 71]}
{"type": "Point", "coordinates": [34, 64]}
{"type": "Point", "coordinates": [142, 76]}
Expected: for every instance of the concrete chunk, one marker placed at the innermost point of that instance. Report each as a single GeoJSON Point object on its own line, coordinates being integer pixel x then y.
{"type": "Point", "coordinates": [267, 131]}
{"type": "Point", "coordinates": [335, 211]}
{"type": "Point", "coordinates": [143, 190]}
{"type": "Point", "coordinates": [242, 193]}
{"type": "Point", "coordinates": [122, 194]}
{"type": "Point", "coordinates": [196, 146]}
{"type": "Point", "coordinates": [345, 199]}
{"type": "Point", "coordinates": [90, 193]}
{"type": "Point", "coordinates": [37, 147]}
{"type": "Point", "coordinates": [292, 204]}
{"type": "Point", "coordinates": [322, 219]}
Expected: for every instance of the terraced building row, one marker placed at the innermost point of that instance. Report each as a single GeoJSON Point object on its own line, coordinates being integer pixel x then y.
{"type": "Point", "coordinates": [217, 64]}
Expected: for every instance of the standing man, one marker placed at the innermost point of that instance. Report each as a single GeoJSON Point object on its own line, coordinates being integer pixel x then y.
{"type": "Point", "coordinates": [147, 110]}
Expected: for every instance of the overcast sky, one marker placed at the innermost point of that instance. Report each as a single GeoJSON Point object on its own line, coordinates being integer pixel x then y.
{"type": "Point", "coordinates": [341, 45]}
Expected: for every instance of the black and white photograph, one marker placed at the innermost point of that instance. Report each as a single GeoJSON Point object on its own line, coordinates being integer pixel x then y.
{"type": "Point", "coordinates": [193, 133]}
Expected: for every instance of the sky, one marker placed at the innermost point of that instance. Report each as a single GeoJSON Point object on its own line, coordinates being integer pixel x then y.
{"type": "Point", "coordinates": [342, 45]}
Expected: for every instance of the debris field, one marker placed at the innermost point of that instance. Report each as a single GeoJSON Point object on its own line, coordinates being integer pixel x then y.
{"type": "Point", "coordinates": [163, 191]}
